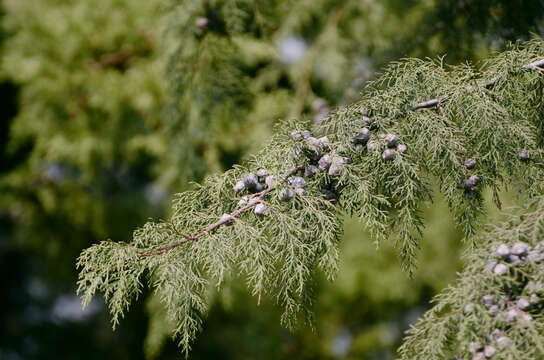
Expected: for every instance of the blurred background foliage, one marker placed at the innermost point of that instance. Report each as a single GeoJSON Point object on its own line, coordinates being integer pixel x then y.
{"type": "Point", "coordinates": [111, 106]}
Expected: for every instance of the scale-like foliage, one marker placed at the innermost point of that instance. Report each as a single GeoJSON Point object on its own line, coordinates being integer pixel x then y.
{"type": "Point", "coordinates": [495, 308]}
{"type": "Point", "coordinates": [375, 159]}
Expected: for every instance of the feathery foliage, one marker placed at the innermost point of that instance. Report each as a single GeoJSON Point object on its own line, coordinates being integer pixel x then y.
{"type": "Point", "coordinates": [495, 308]}
{"type": "Point", "coordinates": [487, 114]}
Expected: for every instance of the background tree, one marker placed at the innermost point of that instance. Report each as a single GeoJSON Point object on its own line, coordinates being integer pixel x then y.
{"type": "Point", "coordinates": [108, 169]}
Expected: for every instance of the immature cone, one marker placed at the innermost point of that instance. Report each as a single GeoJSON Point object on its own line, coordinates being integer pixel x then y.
{"type": "Point", "coordinates": [371, 146]}
{"type": "Point", "coordinates": [335, 169]}
{"type": "Point", "coordinates": [344, 160]}
{"type": "Point", "coordinates": [313, 148]}
{"type": "Point", "coordinates": [226, 218]}
{"type": "Point", "coordinates": [503, 251]}
{"type": "Point", "coordinates": [324, 141]}
{"type": "Point", "coordinates": [362, 137]}
{"type": "Point", "coordinates": [524, 155]}
{"type": "Point", "coordinates": [472, 181]}
{"type": "Point", "coordinates": [489, 351]}
{"type": "Point", "coordinates": [388, 154]}
{"type": "Point", "coordinates": [250, 180]}
{"type": "Point", "coordinates": [261, 209]}
{"type": "Point", "coordinates": [511, 315]}
{"type": "Point", "coordinates": [468, 308]}
{"type": "Point", "coordinates": [297, 181]}
{"type": "Point", "coordinates": [391, 141]}
{"type": "Point", "coordinates": [490, 266]}
{"type": "Point", "coordinates": [201, 22]}
{"type": "Point", "coordinates": [401, 148]}
{"type": "Point", "coordinates": [310, 170]}
{"type": "Point", "coordinates": [324, 162]}
{"type": "Point", "coordinates": [500, 269]}
{"type": "Point", "coordinates": [523, 304]}
{"type": "Point", "coordinates": [314, 141]}
{"type": "Point", "coordinates": [504, 342]}
{"type": "Point", "coordinates": [286, 194]}
{"type": "Point", "coordinates": [270, 181]}
{"type": "Point", "coordinates": [299, 151]}
{"type": "Point", "coordinates": [512, 258]}
{"type": "Point", "coordinates": [243, 201]}
{"type": "Point", "coordinates": [295, 135]}
{"type": "Point", "coordinates": [470, 163]}
{"type": "Point", "coordinates": [261, 174]}
{"type": "Point", "coordinates": [239, 186]}
{"type": "Point", "coordinates": [520, 248]}
{"type": "Point", "coordinates": [495, 334]}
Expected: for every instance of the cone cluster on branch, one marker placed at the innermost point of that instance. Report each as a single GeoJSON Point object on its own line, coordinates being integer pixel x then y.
{"type": "Point", "coordinates": [379, 162]}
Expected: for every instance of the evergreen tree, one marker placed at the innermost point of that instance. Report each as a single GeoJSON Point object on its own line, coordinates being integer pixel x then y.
{"type": "Point", "coordinates": [76, 171]}
{"type": "Point", "coordinates": [276, 219]}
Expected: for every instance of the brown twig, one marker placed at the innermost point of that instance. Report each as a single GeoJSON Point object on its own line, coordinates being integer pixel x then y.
{"type": "Point", "coordinates": [259, 196]}
{"type": "Point", "coordinates": [534, 64]}
{"type": "Point", "coordinates": [429, 103]}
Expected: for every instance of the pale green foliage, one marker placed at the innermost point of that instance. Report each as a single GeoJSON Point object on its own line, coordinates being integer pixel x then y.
{"type": "Point", "coordinates": [230, 81]}
{"type": "Point", "coordinates": [111, 74]}
{"type": "Point", "coordinates": [279, 254]}
{"type": "Point", "coordinates": [119, 280]}
{"type": "Point", "coordinates": [484, 124]}
{"type": "Point", "coordinates": [450, 326]}
{"type": "Point", "coordinates": [90, 99]}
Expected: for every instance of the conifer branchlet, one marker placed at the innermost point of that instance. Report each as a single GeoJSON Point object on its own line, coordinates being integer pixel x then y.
{"type": "Point", "coordinates": [278, 240]}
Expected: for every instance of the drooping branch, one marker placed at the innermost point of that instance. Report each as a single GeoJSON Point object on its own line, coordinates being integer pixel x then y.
{"type": "Point", "coordinates": [256, 198]}
{"type": "Point", "coordinates": [385, 186]}
{"type": "Point", "coordinates": [535, 65]}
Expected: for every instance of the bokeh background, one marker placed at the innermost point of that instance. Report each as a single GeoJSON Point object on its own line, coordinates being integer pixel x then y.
{"type": "Point", "coordinates": [108, 107]}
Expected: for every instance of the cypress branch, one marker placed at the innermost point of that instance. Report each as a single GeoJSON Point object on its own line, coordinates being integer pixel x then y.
{"type": "Point", "coordinates": [437, 101]}
{"type": "Point", "coordinates": [374, 159]}
{"type": "Point", "coordinates": [258, 197]}
{"type": "Point", "coordinates": [495, 308]}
